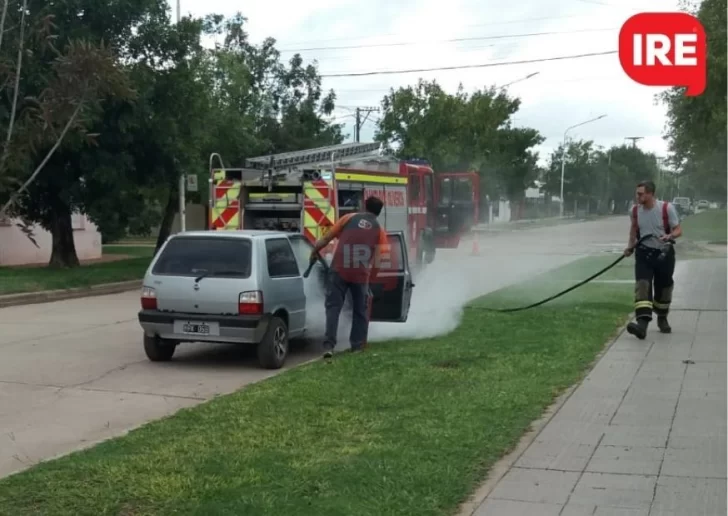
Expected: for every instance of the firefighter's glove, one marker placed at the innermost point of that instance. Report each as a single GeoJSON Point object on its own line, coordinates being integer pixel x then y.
{"type": "Point", "coordinates": [313, 257]}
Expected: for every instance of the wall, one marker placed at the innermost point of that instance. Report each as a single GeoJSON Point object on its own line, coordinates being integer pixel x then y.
{"type": "Point", "coordinates": [17, 249]}
{"type": "Point", "coordinates": [195, 218]}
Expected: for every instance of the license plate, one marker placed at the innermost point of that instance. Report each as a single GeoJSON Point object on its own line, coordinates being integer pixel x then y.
{"type": "Point", "coordinates": [197, 328]}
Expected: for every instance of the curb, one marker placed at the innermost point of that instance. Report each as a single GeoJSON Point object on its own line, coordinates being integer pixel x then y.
{"type": "Point", "coordinates": [503, 466]}
{"type": "Point", "coordinates": [47, 296]}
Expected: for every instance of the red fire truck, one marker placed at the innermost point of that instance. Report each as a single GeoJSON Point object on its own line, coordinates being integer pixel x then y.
{"type": "Point", "coordinates": [307, 191]}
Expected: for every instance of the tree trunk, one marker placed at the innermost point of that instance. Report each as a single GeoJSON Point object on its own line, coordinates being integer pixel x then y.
{"type": "Point", "coordinates": [64, 247]}
{"type": "Point", "coordinates": [165, 228]}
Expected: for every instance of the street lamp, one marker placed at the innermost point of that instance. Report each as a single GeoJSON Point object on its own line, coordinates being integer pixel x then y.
{"type": "Point", "coordinates": [519, 80]}
{"type": "Point", "coordinates": [563, 160]}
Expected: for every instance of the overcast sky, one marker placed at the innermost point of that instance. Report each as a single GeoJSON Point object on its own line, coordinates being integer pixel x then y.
{"type": "Point", "coordinates": [563, 93]}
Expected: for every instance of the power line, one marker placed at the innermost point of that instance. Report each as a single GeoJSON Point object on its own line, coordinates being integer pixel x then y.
{"type": "Point", "coordinates": [453, 40]}
{"type": "Point", "coordinates": [462, 67]}
{"type": "Point", "coordinates": [470, 25]}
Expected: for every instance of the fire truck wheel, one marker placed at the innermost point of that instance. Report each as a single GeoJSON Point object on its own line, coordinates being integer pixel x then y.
{"type": "Point", "coordinates": [273, 349]}
{"type": "Point", "coordinates": [159, 350]}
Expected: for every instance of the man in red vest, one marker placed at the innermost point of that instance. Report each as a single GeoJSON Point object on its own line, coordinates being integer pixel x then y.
{"type": "Point", "coordinates": [361, 249]}
{"type": "Point", "coordinates": [658, 221]}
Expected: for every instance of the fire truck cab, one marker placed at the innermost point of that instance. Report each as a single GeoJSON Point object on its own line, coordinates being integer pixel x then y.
{"type": "Point", "coordinates": [307, 191]}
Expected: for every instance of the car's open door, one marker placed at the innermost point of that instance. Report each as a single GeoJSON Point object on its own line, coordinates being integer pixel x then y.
{"type": "Point", "coordinates": [457, 199]}
{"type": "Point", "coordinates": [392, 287]}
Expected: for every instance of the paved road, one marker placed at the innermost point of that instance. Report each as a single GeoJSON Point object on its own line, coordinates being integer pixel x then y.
{"type": "Point", "coordinates": [645, 433]}
{"type": "Point", "coordinates": [74, 372]}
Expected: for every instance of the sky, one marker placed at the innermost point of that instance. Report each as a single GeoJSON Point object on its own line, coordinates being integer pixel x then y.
{"type": "Point", "coordinates": [404, 34]}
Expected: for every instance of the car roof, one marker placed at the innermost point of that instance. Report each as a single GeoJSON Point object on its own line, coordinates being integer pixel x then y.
{"type": "Point", "coordinates": [243, 233]}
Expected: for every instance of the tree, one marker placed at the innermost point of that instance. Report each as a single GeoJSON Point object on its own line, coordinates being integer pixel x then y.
{"type": "Point", "coordinates": [595, 178]}
{"type": "Point", "coordinates": [53, 93]}
{"type": "Point", "coordinates": [89, 28]}
{"type": "Point", "coordinates": [696, 129]}
{"type": "Point", "coordinates": [462, 132]}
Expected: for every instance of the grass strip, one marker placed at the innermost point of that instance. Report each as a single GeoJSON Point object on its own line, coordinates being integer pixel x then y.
{"type": "Point", "coordinates": [15, 280]}
{"type": "Point", "coordinates": [706, 226]}
{"type": "Point", "coordinates": [409, 427]}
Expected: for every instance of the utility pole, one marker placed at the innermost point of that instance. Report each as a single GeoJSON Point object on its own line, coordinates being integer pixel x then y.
{"type": "Point", "coordinates": [359, 122]}
{"type": "Point", "coordinates": [182, 179]}
{"type": "Point", "coordinates": [634, 139]}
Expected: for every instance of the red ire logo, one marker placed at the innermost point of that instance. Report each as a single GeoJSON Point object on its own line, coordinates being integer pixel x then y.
{"type": "Point", "coordinates": [664, 49]}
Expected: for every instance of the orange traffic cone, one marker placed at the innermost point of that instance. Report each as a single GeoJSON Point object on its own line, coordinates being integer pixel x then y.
{"type": "Point", "coordinates": [476, 248]}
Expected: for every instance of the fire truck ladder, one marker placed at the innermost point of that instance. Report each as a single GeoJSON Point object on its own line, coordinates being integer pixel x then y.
{"type": "Point", "coordinates": [319, 209]}
{"type": "Point", "coordinates": [311, 156]}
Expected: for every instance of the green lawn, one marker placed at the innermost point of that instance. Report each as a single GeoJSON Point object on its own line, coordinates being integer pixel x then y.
{"type": "Point", "coordinates": [707, 226]}
{"type": "Point", "coordinates": [35, 279]}
{"type": "Point", "coordinates": [407, 428]}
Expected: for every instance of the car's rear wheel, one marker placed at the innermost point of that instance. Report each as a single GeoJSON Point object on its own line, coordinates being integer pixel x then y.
{"type": "Point", "coordinates": [159, 350]}
{"type": "Point", "coordinates": [273, 349]}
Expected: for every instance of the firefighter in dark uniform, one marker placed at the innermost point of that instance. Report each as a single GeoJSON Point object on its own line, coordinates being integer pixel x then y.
{"type": "Point", "coordinates": [658, 222]}
{"type": "Point", "coordinates": [362, 246]}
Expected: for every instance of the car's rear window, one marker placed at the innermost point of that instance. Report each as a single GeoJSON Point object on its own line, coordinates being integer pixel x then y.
{"type": "Point", "coordinates": [215, 256]}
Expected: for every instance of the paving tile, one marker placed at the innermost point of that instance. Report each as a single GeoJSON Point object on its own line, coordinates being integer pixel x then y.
{"type": "Point", "coordinates": [560, 455]}
{"type": "Point", "coordinates": [627, 355]}
{"type": "Point", "coordinates": [595, 510]}
{"type": "Point", "coordinates": [536, 485]}
{"type": "Point", "coordinates": [589, 410]}
{"type": "Point", "coordinates": [697, 461]}
{"type": "Point", "coordinates": [646, 410]}
{"type": "Point", "coordinates": [661, 371]}
{"type": "Point", "coordinates": [706, 375]}
{"type": "Point", "coordinates": [689, 497]}
{"type": "Point", "coordinates": [708, 353]}
{"type": "Point", "coordinates": [696, 428]}
{"type": "Point", "coordinates": [612, 374]}
{"type": "Point", "coordinates": [712, 324]}
{"type": "Point", "coordinates": [494, 507]}
{"type": "Point", "coordinates": [717, 444]}
{"type": "Point", "coordinates": [610, 490]}
{"type": "Point", "coordinates": [703, 394]}
{"type": "Point", "coordinates": [563, 430]}
{"type": "Point", "coordinates": [703, 409]}
{"type": "Point", "coordinates": [633, 460]}
{"type": "Point", "coordinates": [636, 436]}
{"type": "Point", "coordinates": [656, 385]}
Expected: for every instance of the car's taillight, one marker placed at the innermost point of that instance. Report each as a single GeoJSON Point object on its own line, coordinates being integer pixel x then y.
{"type": "Point", "coordinates": [250, 303]}
{"type": "Point", "coordinates": [149, 298]}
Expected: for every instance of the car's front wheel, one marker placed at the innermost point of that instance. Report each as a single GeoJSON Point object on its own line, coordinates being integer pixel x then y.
{"type": "Point", "coordinates": [159, 350]}
{"type": "Point", "coordinates": [273, 349]}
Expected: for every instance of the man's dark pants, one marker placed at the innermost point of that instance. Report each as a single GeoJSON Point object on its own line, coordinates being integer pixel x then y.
{"type": "Point", "coordinates": [651, 270]}
{"type": "Point", "coordinates": [336, 289]}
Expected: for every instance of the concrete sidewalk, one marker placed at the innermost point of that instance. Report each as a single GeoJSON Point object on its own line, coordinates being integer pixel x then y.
{"type": "Point", "coordinates": [645, 433]}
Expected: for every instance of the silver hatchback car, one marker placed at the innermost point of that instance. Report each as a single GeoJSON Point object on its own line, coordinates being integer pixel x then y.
{"type": "Point", "coordinates": [247, 287]}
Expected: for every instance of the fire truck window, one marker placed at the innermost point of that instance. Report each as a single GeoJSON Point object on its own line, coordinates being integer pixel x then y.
{"type": "Point", "coordinates": [462, 189]}
{"type": "Point", "coordinates": [395, 248]}
{"type": "Point", "coordinates": [428, 190]}
{"type": "Point", "coordinates": [281, 260]}
{"type": "Point", "coordinates": [350, 200]}
{"type": "Point", "coordinates": [414, 188]}
{"type": "Point", "coordinates": [445, 190]}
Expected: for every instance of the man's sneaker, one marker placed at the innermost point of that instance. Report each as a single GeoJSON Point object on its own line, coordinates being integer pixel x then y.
{"type": "Point", "coordinates": [664, 325]}
{"type": "Point", "coordinates": [638, 329]}
{"type": "Point", "coordinates": [328, 353]}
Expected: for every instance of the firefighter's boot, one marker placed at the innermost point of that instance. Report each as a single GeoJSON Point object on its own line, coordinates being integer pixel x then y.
{"type": "Point", "coordinates": [638, 328]}
{"type": "Point", "coordinates": [663, 325]}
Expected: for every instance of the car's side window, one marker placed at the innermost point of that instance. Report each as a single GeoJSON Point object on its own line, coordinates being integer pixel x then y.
{"type": "Point", "coordinates": [396, 262]}
{"type": "Point", "coordinates": [281, 260]}
{"type": "Point", "coordinates": [302, 249]}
